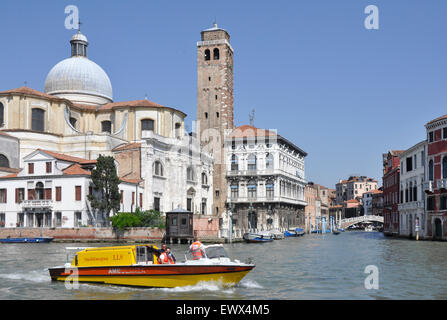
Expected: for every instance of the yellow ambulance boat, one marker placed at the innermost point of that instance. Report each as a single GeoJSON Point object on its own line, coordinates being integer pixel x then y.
{"type": "Point", "coordinates": [137, 265]}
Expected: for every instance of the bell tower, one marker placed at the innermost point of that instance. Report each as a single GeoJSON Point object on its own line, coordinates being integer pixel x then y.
{"type": "Point", "coordinates": [215, 103]}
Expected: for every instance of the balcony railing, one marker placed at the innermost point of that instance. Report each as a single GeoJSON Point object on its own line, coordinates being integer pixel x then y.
{"type": "Point", "coordinates": [411, 205]}
{"type": "Point", "coordinates": [428, 186]}
{"type": "Point", "coordinates": [442, 184]}
{"type": "Point", "coordinates": [37, 203]}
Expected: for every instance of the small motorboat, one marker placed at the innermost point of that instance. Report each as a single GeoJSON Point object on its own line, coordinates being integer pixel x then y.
{"type": "Point", "coordinates": [138, 266]}
{"type": "Point", "coordinates": [277, 235]}
{"type": "Point", "coordinates": [369, 228]}
{"type": "Point", "coordinates": [335, 232]}
{"type": "Point", "coordinates": [299, 232]}
{"type": "Point", "coordinates": [259, 237]}
{"type": "Point", "coordinates": [27, 240]}
{"type": "Point", "coordinates": [290, 233]}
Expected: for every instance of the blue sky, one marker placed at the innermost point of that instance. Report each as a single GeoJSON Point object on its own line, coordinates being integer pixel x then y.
{"type": "Point", "coordinates": [310, 69]}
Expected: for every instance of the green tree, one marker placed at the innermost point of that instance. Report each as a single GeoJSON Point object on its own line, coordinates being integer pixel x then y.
{"type": "Point", "coordinates": [106, 197]}
{"type": "Point", "coordinates": [125, 220]}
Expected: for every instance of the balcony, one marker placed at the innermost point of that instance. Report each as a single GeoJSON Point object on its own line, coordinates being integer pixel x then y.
{"type": "Point", "coordinates": [37, 204]}
{"type": "Point", "coordinates": [441, 184]}
{"type": "Point", "coordinates": [411, 205]}
{"type": "Point", "coordinates": [428, 186]}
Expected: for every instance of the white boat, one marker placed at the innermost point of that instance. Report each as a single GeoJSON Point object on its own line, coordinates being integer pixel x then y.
{"type": "Point", "coordinates": [277, 235]}
{"type": "Point", "coordinates": [369, 228]}
{"type": "Point", "coordinates": [263, 236]}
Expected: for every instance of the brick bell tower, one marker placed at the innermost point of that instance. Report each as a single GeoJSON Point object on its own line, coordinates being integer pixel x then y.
{"type": "Point", "coordinates": [215, 103]}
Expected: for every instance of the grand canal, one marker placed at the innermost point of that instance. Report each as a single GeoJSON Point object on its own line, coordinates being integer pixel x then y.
{"type": "Point", "coordinates": [310, 267]}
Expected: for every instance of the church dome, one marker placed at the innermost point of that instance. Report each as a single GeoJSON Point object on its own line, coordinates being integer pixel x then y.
{"type": "Point", "coordinates": [79, 79]}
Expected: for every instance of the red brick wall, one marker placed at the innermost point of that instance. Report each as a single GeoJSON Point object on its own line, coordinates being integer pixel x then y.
{"type": "Point", "coordinates": [206, 226]}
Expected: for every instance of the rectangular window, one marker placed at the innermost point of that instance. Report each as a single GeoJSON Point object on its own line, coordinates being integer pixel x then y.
{"type": "Point", "coordinates": [47, 194]}
{"type": "Point", "coordinates": [2, 220]}
{"type": "Point", "coordinates": [48, 167]}
{"type": "Point", "coordinates": [3, 195]}
{"type": "Point", "coordinates": [444, 133]}
{"type": "Point", "coordinates": [58, 218]}
{"type": "Point", "coordinates": [430, 136]}
{"type": "Point", "coordinates": [157, 204]}
{"type": "Point", "coordinates": [409, 164]}
{"type": "Point", "coordinates": [141, 200]}
{"type": "Point", "coordinates": [58, 193]}
{"type": "Point", "coordinates": [78, 193]}
{"type": "Point", "coordinates": [20, 195]}
{"type": "Point", "coordinates": [430, 203]}
{"type": "Point", "coordinates": [30, 168]}
{"type": "Point", "coordinates": [77, 219]}
{"type": "Point", "coordinates": [133, 197]}
{"type": "Point", "coordinates": [122, 196]}
{"type": "Point", "coordinates": [189, 204]}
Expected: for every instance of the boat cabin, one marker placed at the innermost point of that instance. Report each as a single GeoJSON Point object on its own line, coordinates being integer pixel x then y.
{"type": "Point", "coordinates": [179, 226]}
{"type": "Point", "coordinates": [116, 256]}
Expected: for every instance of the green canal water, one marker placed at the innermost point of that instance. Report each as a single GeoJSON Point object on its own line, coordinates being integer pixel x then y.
{"type": "Point", "coordinates": [310, 267]}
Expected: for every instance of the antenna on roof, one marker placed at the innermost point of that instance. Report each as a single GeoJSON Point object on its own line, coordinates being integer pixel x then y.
{"type": "Point", "coordinates": [252, 117]}
{"type": "Point", "coordinates": [145, 96]}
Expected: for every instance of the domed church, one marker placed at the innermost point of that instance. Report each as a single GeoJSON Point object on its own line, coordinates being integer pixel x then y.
{"type": "Point", "coordinates": [77, 116]}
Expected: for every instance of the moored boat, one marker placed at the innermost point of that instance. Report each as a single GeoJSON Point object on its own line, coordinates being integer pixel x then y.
{"type": "Point", "coordinates": [335, 232]}
{"type": "Point", "coordinates": [27, 240]}
{"type": "Point", "coordinates": [138, 266]}
{"type": "Point", "coordinates": [277, 235]}
{"type": "Point", "coordinates": [259, 237]}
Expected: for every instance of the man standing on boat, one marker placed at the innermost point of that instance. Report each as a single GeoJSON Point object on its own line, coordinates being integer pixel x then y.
{"type": "Point", "coordinates": [196, 249]}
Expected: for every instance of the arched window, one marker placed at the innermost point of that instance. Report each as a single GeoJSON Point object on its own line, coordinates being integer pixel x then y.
{"type": "Point", "coordinates": [269, 189]}
{"type": "Point", "coordinates": [252, 189]}
{"type": "Point", "coordinates": [106, 126]}
{"type": "Point", "coordinates": [444, 168]}
{"type": "Point", "coordinates": [39, 191]}
{"type": "Point", "coordinates": [73, 122]}
{"type": "Point", "coordinates": [178, 130]}
{"type": "Point", "coordinates": [2, 116]}
{"type": "Point", "coordinates": [190, 174]}
{"type": "Point", "coordinates": [38, 119]}
{"type": "Point", "coordinates": [234, 163]}
{"type": "Point", "coordinates": [207, 55]}
{"type": "Point", "coordinates": [4, 162]}
{"type": "Point", "coordinates": [204, 179]}
{"type": "Point", "coordinates": [158, 169]}
{"type": "Point", "coordinates": [147, 125]}
{"type": "Point", "coordinates": [430, 170]}
{"type": "Point", "coordinates": [251, 162]}
{"type": "Point", "coordinates": [234, 190]}
{"type": "Point", "coordinates": [216, 54]}
{"type": "Point", "coordinates": [269, 161]}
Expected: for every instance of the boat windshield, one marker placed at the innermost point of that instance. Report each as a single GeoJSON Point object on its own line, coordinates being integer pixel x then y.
{"type": "Point", "coordinates": [215, 252]}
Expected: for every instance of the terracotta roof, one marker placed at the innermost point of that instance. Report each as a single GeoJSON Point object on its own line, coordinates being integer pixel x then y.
{"type": "Point", "coordinates": [134, 181]}
{"type": "Point", "coordinates": [352, 201]}
{"type": "Point", "coordinates": [134, 104]}
{"type": "Point", "coordinates": [106, 107]}
{"type": "Point", "coordinates": [31, 92]}
{"type": "Point", "coordinates": [68, 158]}
{"type": "Point", "coordinates": [437, 119]}
{"type": "Point", "coordinates": [250, 131]}
{"type": "Point", "coordinates": [7, 169]}
{"type": "Point", "coordinates": [128, 146]}
{"type": "Point", "coordinates": [75, 169]}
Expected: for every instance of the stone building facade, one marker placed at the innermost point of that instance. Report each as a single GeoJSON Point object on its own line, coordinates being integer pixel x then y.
{"type": "Point", "coordinates": [265, 181]}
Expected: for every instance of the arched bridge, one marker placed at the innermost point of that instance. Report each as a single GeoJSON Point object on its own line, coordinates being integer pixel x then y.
{"type": "Point", "coordinates": [345, 223]}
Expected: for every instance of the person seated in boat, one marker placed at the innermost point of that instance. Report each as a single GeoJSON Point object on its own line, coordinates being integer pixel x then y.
{"type": "Point", "coordinates": [196, 249]}
{"type": "Point", "coordinates": [171, 255]}
{"type": "Point", "coordinates": [165, 258]}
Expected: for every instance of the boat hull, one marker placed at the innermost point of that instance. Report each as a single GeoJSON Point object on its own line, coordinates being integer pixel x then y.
{"type": "Point", "coordinates": [26, 240]}
{"type": "Point", "coordinates": [154, 276]}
